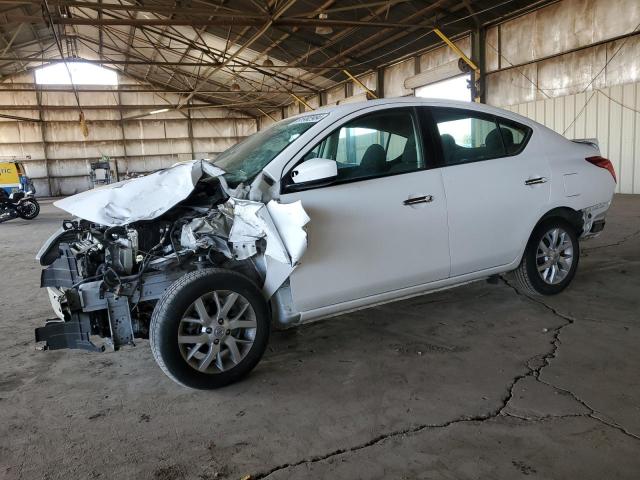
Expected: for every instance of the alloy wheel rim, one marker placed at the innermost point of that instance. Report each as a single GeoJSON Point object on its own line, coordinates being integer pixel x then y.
{"type": "Point", "coordinates": [217, 331]}
{"type": "Point", "coordinates": [554, 256]}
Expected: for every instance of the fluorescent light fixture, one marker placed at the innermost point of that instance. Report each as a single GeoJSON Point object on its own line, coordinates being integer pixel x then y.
{"type": "Point", "coordinates": [162, 110]}
{"type": "Point", "coordinates": [323, 30]}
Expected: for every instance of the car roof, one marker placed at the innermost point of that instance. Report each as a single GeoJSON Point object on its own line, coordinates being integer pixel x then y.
{"type": "Point", "coordinates": [346, 109]}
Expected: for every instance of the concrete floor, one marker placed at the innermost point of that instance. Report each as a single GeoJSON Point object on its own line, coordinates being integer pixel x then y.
{"type": "Point", "coordinates": [476, 382]}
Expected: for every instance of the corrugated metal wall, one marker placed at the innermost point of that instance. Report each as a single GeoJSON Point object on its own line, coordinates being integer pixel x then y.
{"type": "Point", "coordinates": [60, 155]}
{"type": "Point", "coordinates": [563, 49]}
{"type": "Point", "coordinates": [612, 115]}
{"type": "Point", "coordinates": [574, 66]}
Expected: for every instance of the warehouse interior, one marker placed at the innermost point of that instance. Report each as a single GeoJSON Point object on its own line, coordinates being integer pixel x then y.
{"type": "Point", "coordinates": [482, 381]}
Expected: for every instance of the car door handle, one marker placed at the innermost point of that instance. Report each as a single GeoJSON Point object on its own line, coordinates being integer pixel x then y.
{"type": "Point", "coordinates": [416, 200]}
{"type": "Point", "coordinates": [535, 181]}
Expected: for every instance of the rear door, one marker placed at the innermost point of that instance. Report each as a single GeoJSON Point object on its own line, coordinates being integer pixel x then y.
{"type": "Point", "coordinates": [495, 190]}
{"type": "Point", "coordinates": [382, 224]}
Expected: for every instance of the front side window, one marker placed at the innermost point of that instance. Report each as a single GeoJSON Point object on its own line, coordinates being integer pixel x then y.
{"type": "Point", "coordinates": [378, 144]}
{"type": "Point", "coordinates": [468, 136]}
{"type": "Point", "coordinates": [245, 160]}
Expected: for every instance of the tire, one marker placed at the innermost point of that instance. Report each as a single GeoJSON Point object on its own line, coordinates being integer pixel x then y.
{"type": "Point", "coordinates": [542, 282]}
{"type": "Point", "coordinates": [29, 209]}
{"type": "Point", "coordinates": [177, 328]}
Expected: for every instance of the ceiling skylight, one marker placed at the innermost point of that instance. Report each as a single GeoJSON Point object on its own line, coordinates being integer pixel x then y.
{"type": "Point", "coordinates": [81, 74]}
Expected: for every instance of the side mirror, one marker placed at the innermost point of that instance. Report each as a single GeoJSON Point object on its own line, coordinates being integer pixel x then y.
{"type": "Point", "coordinates": [314, 170]}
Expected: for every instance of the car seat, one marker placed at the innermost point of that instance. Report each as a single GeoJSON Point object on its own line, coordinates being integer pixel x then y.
{"type": "Point", "coordinates": [507, 138]}
{"type": "Point", "coordinates": [448, 148]}
{"type": "Point", "coordinates": [373, 161]}
{"type": "Point", "coordinates": [409, 158]}
{"type": "Point", "coordinates": [493, 144]}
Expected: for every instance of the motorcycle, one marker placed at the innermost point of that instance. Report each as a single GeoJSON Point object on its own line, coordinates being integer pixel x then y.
{"type": "Point", "coordinates": [18, 204]}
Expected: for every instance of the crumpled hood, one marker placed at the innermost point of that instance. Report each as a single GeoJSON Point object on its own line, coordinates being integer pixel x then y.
{"type": "Point", "coordinates": [143, 198]}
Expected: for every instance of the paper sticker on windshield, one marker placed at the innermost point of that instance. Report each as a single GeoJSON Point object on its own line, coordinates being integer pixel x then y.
{"type": "Point", "coordinates": [310, 118]}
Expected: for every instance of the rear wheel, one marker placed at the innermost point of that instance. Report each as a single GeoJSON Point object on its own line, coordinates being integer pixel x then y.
{"type": "Point", "coordinates": [210, 328]}
{"type": "Point", "coordinates": [550, 260]}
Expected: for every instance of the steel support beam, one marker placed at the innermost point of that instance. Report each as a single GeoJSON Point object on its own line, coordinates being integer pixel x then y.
{"type": "Point", "coordinates": [301, 102]}
{"type": "Point", "coordinates": [190, 133]}
{"type": "Point", "coordinates": [472, 65]}
{"type": "Point", "coordinates": [19, 119]}
{"type": "Point", "coordinates": [153, 90]}
{"type": "Point", "coordinates": [362, 85]}
{"type": "Point", "coordinates": [478, 54]}
{"type": "Point", "coordinates": [122, 107]}
{"type": "Point", "coordinates": [124, 141]}
{"type": "Point", "coordinates": [108, 61]}
{"type": "Point", "coordinates": [380, 82]}
{"type": "Point", "coordinates": [238, 21]}
{"type": "Point", "coordinates": [43, 137]}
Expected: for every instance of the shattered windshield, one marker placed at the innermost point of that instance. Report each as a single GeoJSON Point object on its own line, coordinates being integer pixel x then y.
{"type": "Point", "coordinates": [244, 161]}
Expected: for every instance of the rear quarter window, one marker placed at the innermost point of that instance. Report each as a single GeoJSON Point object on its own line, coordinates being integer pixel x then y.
{"type": "Point", "coordinates": [514, 135]}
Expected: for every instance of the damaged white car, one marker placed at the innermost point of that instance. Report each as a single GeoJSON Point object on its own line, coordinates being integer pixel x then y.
{"type": "Point", "coordinates": [397, 197]}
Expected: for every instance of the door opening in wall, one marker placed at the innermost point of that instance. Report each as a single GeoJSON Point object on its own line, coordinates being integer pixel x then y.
{"type": "Point", "coordinates": [456, 88]}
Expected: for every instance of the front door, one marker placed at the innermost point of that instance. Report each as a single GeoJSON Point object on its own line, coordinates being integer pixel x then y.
{"type": "Point", "coordinates": [382, 224]}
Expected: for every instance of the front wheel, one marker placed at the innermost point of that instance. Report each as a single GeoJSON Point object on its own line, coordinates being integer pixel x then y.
{"type": "Point", "coordinates": [550, 260]}
{"type": "Point", "coordinates": [210, 328]}
{"type": "Point", "coordinates": [28, 209]}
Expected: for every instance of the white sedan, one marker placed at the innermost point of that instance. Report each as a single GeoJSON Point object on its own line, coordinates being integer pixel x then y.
{"type": "Point", "coordinates": [394, 197]}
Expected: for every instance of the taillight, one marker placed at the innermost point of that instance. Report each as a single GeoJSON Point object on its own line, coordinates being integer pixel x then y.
{"type": "Point", "coordinates": [603, 163]}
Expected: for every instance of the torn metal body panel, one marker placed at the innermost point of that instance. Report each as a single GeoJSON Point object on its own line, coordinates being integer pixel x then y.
{"type": "Point", "coordinates": [131, 241]}
{"type": "Point", "coordinates": [594, 219]}
{"type": "Point", "coordinates": [143, 198]}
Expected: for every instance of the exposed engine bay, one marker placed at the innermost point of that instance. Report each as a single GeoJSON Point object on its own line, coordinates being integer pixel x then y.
{"type": "Point", "coordinates": [106, 268]}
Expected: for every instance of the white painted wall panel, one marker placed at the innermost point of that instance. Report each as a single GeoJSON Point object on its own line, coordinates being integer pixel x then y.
{"type": "Point", "coordinates": [213, 128]}
{"type": "Point", "coordinates": [334, 95]}
{"type": "Point", "coordinates": [167, 147]}
{"type": "Point", "coordinates": [293, 109]}
{"type": "Point", "coordinates": [368, 81]}
{"type": "Point", "coordinates": [92, 151]}
{"type": "Point", "coordinates": [35, 168]}
{"type": "Point", "coordinates": [71, 132]}
{"type": "Point", "coordinates": [21, 150]}
{"type": "Point", "coordinates": [213, 145]}
{"type": "Point", "coordinates": [394, 77]}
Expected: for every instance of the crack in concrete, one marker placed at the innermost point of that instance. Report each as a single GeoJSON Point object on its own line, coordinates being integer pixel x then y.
{"type": "Point", "coordinates": [542, 418]}
{"type": "Point", "coordinates": [532, 371]}
{"type": "Point", "coordinates": [546, 359]}
{"type": "Point", "coordinates": [615, 244]}
{"type": "Point", "coordinates": [593, 413]}
{"type": "Point", "coordinates": [377, 440]}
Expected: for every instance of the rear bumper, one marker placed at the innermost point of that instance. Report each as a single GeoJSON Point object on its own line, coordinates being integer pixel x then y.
{"type": "Point", "coordinates": [597, 226]}
{"type": "Point", "coordinates": [594, 219]}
